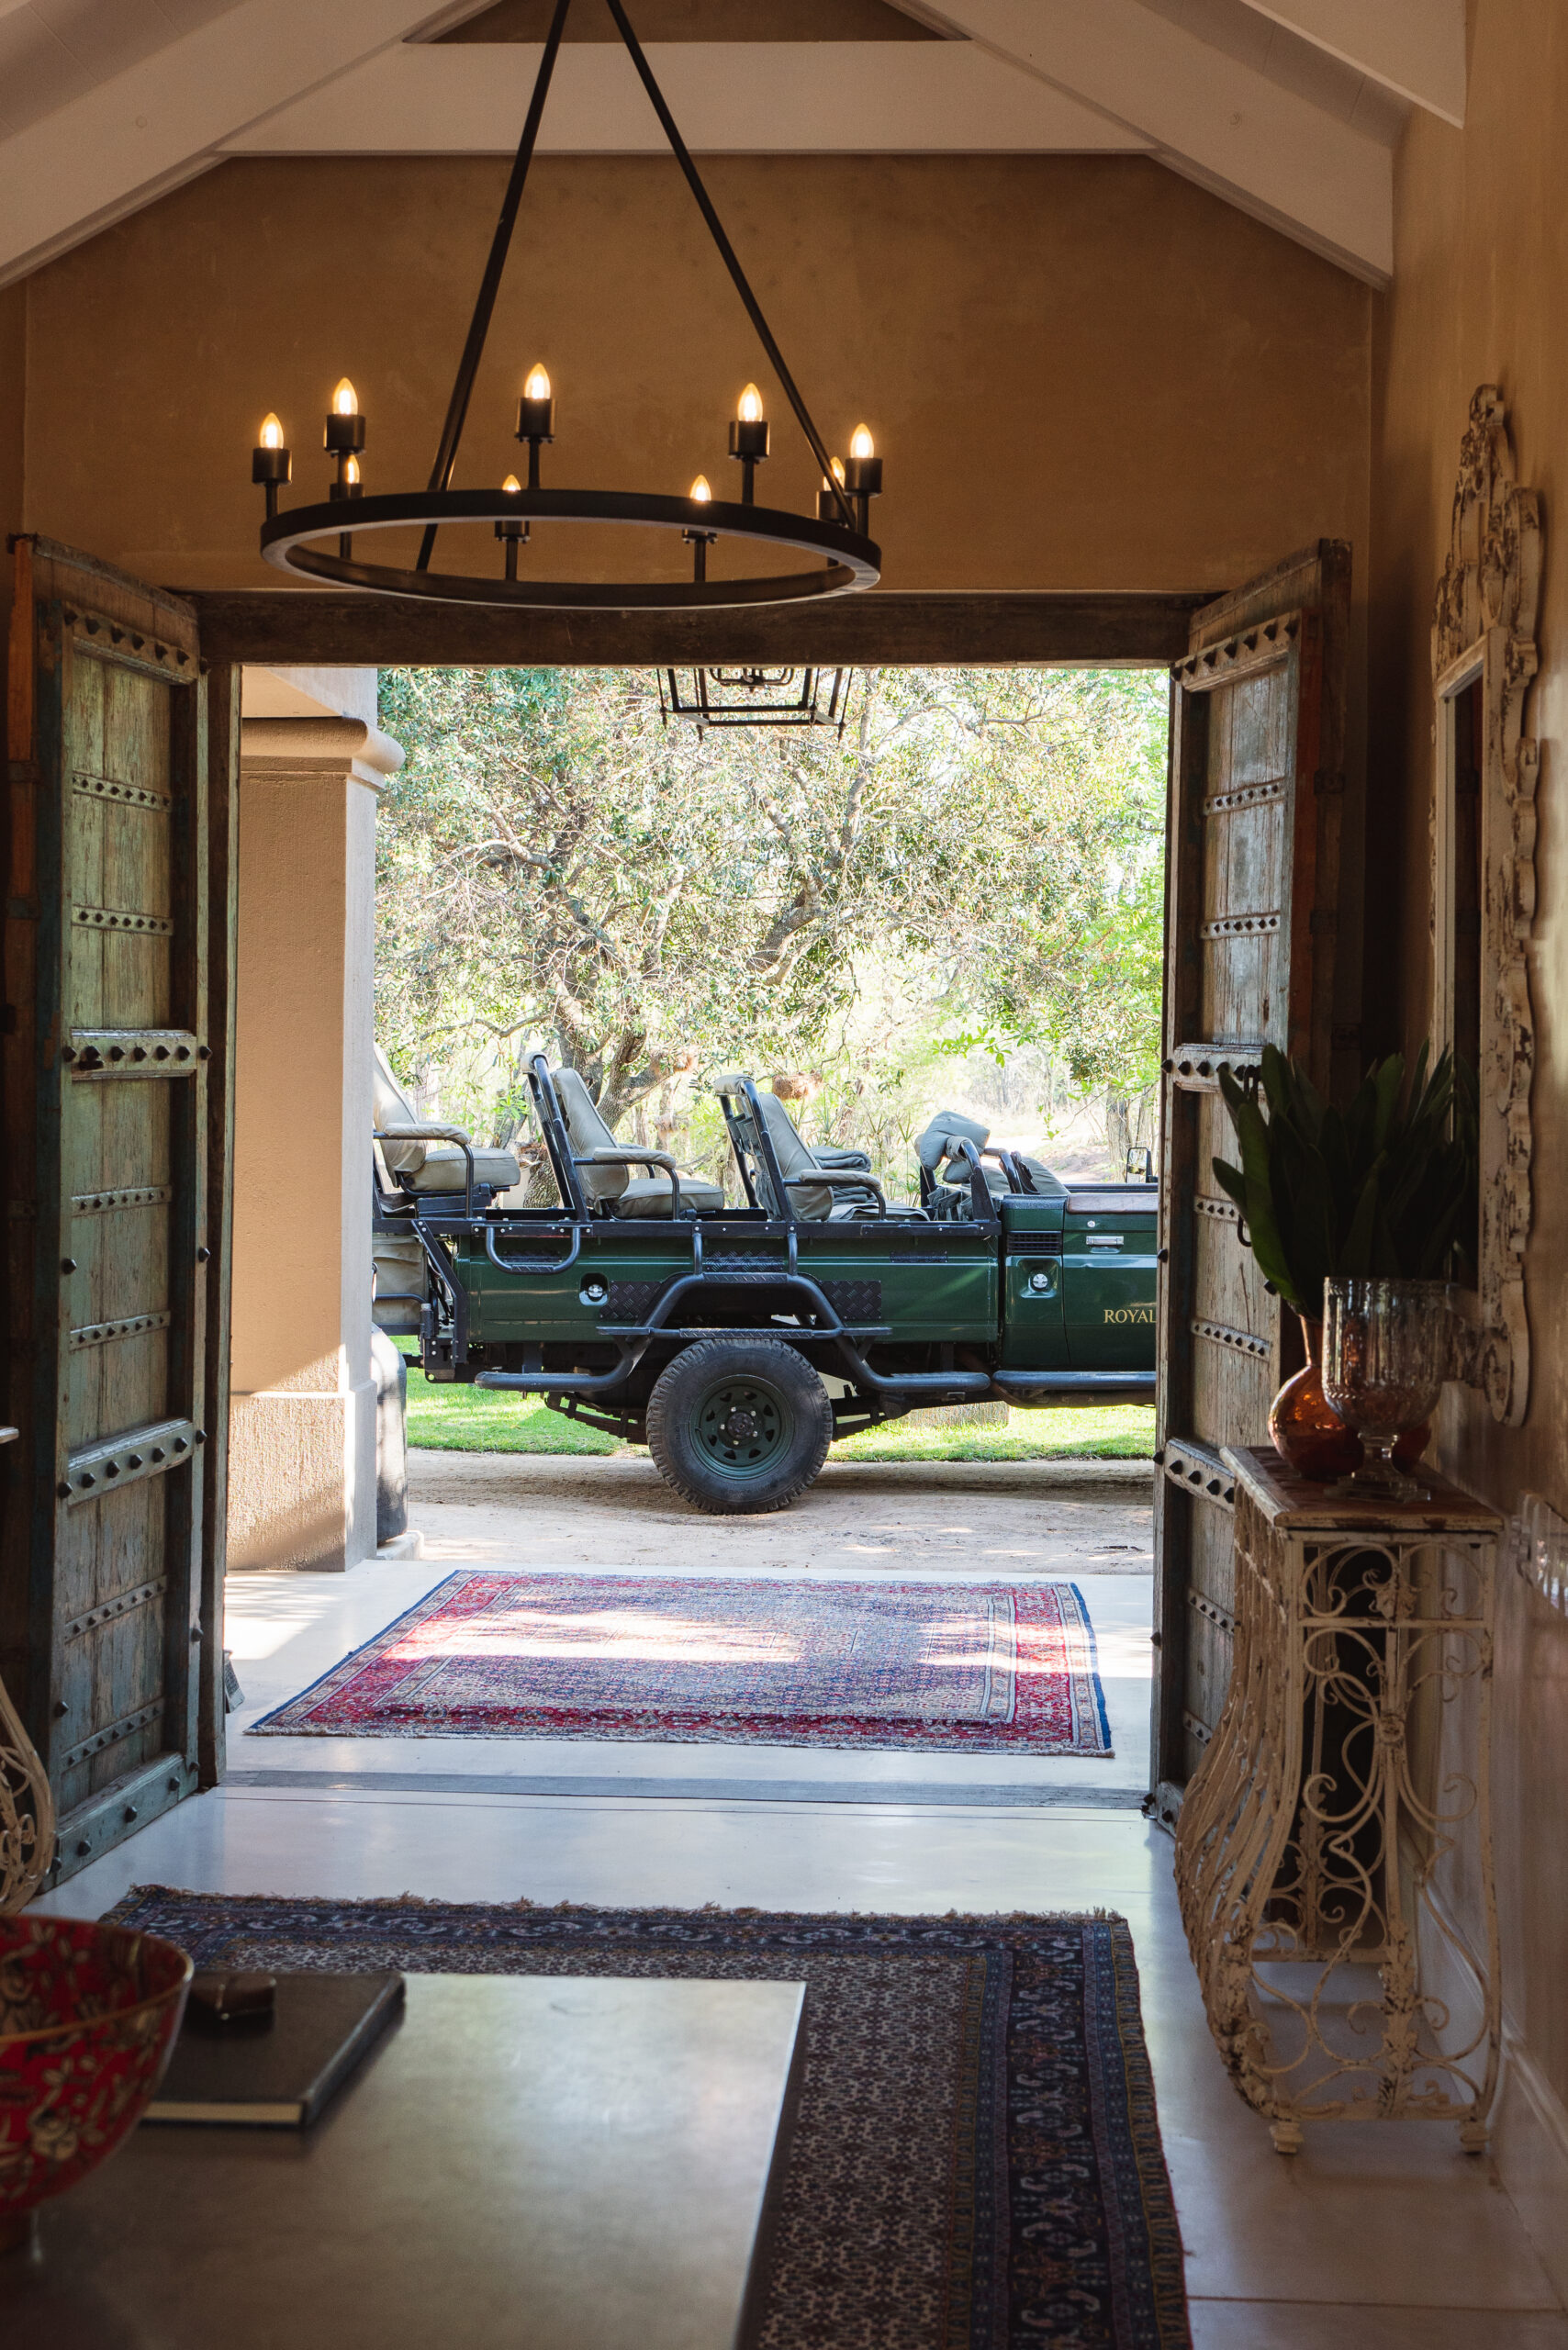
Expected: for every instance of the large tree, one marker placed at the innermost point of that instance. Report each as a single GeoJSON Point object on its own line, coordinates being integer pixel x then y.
{"type": "Point", "coordinates": [559, 868]}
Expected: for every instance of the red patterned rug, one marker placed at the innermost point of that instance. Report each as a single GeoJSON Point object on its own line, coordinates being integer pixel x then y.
{"type": "Point", "coordinates": [938, 1668]}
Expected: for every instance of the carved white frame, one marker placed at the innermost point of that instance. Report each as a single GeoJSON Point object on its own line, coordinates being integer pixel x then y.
{"type": "Point", "coordinates": [1484, 628]}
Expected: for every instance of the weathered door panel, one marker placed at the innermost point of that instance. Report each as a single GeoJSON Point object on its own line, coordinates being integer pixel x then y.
{"type": "Point", "coordinates": [1253, 889]}
{"type": "Point", "coordinates": [110, 1615]}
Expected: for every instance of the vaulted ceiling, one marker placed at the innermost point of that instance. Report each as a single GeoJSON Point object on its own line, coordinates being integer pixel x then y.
{"type": "Point", "coordinates": [1289, 109]}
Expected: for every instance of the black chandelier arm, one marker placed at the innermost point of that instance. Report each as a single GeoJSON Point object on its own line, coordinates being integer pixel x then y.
{"type": "Point", "coordinates": [489, 284]}
{"type": "Point", "coordinates": [728, 255]}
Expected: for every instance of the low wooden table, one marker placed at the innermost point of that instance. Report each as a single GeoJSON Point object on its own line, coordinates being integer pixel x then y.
{"type": "Point", "coordinates": [570, 2163]}
{"type": "Point", "coordinates": [1339, 1824]}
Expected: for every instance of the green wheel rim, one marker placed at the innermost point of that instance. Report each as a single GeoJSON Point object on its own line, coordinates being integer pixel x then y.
{"type": "Point", "coordinates": [743, 1427]}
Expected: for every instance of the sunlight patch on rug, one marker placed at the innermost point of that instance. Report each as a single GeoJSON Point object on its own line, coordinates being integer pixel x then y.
{"type": "Point", "coordinates": [996, 1668]}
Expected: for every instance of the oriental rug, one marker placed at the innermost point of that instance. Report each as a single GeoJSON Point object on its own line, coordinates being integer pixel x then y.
{"type": "Point", "coordinates": [976, 2162]}
{"type": "Point", "coordinates": [937, 1668]}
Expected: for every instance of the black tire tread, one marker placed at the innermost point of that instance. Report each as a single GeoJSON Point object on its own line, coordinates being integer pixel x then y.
{"type": "Point", "coordinates": [705, 1358]}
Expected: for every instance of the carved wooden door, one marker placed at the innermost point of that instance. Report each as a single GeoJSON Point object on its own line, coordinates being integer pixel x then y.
{"type": "Point", "coordinates": [116, 1070]}
{"type": "Point", "coordinates": [1252, 897]}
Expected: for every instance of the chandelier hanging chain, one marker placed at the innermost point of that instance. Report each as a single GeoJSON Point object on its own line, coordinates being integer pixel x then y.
{"type": "Point", "coordinates": [489, 284]}
{"type": "Point", "coordinates": [729, 257]}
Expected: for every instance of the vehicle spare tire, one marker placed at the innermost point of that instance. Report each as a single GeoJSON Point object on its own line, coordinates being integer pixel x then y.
{"type": "Point", "coordinates": [739, 1425]}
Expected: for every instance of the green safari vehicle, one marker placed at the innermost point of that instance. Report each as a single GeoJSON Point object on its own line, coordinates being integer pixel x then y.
{"type": "Point", "coordinates": [738, 1339]}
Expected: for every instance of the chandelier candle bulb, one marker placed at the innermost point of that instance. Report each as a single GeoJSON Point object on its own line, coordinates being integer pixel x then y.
{"type": "Point", "coordinates": [863, 474]}
{"type": "Point", "coordinates": [512, 531]}
{"type": "Point", "coordinates": [749, 440]}
{"type": "Point", "coordinates": [828, 506]}
{"type": "Point", "coordinates": [348, 483]}
{"type": "Point", "coordinates": [535, 418]}
{"type": "Point", "coordinates": [345, 426]}
{"type": "Point", "coordinates": [271, 463]}
{"type": "Point", "coordinates": [699, 540]}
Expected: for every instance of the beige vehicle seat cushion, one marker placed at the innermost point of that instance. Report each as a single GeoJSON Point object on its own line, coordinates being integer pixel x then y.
{"type": "Point", "coordinates": [392, 1108]}
{"type": "Point", "coordinates": [814, 1203]}
{"type": "Point", "coordinates": [632, 1194]}
{"type": "Point", "coordinates": [446, 1170]}
{"type": "Point", "coordinates": [650, 1195]}
{"type": "Point", "coordinates": [586, 1131]}
{"type": "Point", "coordinates": [431, 1166]}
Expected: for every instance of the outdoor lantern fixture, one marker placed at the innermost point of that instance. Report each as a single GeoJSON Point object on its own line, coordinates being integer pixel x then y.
{"type": "Point", "coordinates": [756, 697]}
{"type": "Point", "coordinates": [842, 558]}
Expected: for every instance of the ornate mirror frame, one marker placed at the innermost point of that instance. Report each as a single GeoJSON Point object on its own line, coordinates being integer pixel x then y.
{"type": "Point", "coordinates": [1484, 636]}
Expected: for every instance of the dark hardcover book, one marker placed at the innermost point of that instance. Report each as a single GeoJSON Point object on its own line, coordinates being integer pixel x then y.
{"type": "Point", "coordinates": [277, 2073]}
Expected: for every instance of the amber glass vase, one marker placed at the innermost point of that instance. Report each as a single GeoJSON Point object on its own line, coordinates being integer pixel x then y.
{"type": "Point", "coordinates": [1308, 1432]}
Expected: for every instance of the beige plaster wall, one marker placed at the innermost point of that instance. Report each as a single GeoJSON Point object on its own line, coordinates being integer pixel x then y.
{"type": "Point", "coordinates": [1481, 258]}
{"type": "Point", "coordinates": [1084, 371]}
{"type": "Point", "coordinates": [302, 1433]}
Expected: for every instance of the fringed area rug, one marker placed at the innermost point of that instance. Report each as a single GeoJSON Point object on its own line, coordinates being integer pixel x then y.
{"type": "Point", "coordinates": [934, 1667]}
{"type": "Point", "coordinates": [976, 2164]}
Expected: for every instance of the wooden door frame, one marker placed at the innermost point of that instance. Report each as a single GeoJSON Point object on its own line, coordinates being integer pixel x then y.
{"type": "Point", "coordinates": [294, 629]}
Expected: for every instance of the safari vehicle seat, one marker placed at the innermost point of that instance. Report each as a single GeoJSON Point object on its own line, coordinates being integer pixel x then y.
{"type": "Point", "coordinates": [613, 1185]}
{"type": "Point", "coordinates": [938, 1153]}
{"type": "Point", "coordinates": [431, 1166]}
{"type": "Point", "coordinates": [835, 1202]}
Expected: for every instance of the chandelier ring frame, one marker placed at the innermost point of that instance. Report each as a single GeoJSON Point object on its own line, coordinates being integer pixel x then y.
{"type": "Point", "coordinates": [851, 562]}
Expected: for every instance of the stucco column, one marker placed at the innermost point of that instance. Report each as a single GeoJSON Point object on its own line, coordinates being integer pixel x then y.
{"type": "Point", "coordinates": [302, 1427]}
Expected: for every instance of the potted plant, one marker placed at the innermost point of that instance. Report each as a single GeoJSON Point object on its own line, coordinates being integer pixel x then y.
{"type": "Point", "coordinates": [1376, 1190]}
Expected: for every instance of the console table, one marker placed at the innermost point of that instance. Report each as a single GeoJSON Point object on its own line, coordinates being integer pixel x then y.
{"type": "Point", "coordinates": [576, 2162]}
{"type": "Point", "coordinates": [1339, 1819]}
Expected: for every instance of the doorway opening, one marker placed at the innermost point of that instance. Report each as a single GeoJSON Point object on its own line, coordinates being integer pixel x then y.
{"type": "Point", "coordinates": [952, 910]}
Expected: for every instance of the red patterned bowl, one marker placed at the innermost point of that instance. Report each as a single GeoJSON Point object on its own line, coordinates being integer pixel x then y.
{"type": "Point", "coordinates": [88, 2015]}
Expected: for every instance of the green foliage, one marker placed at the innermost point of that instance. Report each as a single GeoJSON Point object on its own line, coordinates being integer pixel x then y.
{"type": "Point", "coordinates": [1377, 1189]}
{"type": "Point", "coordinates": [445, 1416]}
{"type": "Point", "coordinates": [557, 869]}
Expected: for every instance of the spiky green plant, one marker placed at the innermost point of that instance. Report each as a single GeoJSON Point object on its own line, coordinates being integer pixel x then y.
{"type": "Point", "coordinates": [1376, 1189]}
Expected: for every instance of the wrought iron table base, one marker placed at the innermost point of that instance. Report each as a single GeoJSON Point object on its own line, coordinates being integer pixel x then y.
{"type": "Point", "coordinates": [1323, 1835]}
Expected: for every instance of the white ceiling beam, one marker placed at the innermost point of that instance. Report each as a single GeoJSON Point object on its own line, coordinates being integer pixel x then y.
{"type": "Point", "coordinates": [1414, 48]}
{"type": "Point", "coordinates": [1209, 117]}
{"type": "Point", "coordinates": [160, 122]}
{"type": "Point", "coordinates": [730, 97]}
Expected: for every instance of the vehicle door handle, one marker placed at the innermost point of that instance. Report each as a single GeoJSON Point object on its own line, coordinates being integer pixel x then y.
{"type": "Point", "coordinates": [1102, 1240]}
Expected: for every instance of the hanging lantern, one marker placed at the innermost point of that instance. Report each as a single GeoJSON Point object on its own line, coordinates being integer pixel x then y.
{"type": "Point", "coordinates": [756, 697]}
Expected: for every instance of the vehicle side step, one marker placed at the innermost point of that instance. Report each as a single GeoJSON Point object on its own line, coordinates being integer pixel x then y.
{"type": "Point", "coordinates": [1027, 1387]}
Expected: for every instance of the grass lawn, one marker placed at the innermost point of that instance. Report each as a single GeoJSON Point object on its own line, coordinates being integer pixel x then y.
{"type": "Point", "coordinates": [472, 1419]}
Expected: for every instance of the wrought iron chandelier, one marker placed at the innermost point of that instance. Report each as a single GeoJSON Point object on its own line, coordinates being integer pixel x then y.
{"type": "Point", "coordinates": [756, 697]}
{"type": "Point", "coordinates": [300, 539]}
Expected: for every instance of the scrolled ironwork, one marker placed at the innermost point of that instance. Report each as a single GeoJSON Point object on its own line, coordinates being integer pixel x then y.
{"type": "Point", "coordinates": [27, 1812]}
{"type": "Point", "coordinates": [1319, 1839]}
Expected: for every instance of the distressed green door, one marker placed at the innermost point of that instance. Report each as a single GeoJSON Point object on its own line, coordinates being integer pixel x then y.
{"type": "Point", "coordinates": [1258, 868]}
{"type": "Point", "coordinates": [116, 1073]}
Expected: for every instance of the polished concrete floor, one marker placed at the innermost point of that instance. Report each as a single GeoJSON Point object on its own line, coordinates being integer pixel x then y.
{"type": "Point", "coordinates": [1377, 2237]}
